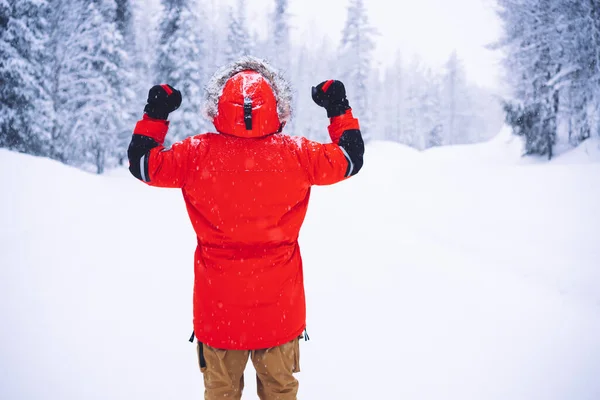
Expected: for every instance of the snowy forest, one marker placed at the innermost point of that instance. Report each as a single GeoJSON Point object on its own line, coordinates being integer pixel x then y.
{"type": "Point", "coordinates": [553, 66]}
{"type": "Point", "coordinates": [74, 75]}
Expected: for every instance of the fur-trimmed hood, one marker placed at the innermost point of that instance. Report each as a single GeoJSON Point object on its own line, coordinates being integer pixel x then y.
{"type": "Point", "coordinates": [281, 88]}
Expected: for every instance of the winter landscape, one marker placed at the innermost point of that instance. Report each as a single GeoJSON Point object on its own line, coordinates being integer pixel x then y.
{"type": "Point", "coordinates": [462, 262]}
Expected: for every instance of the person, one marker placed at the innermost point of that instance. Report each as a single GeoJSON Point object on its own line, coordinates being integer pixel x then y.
{"type": "Point", "coordinates": [246, 189]}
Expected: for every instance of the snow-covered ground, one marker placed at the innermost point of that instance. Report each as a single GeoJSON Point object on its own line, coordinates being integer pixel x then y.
{"type": "Point", "coordinates": [458, 273]}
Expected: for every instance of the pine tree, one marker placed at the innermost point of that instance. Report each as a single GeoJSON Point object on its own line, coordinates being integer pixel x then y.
{"type": "Point", "coordinates": [181, 63]}
{"type": "Point", "coordinates": [392, 119]}
{"type": "Point", "coordinates": [124, 21]}
{"type": "Point", "coordinates": [131, 67]}
{"type": "Point", "coordinates": [356, 50]}
{"type": "Point", "coordinates": [431, 105]}
{"type": "Point", "coordinates": [581, 44]}
{"type": "Point", "coordinates": [553, 54]}
{"type": "Point", "coordinates": [310, 66]}
{"type": "Point", "coordinates": [239, 41]}
{"type": "Point", "coordinates": [280, 36]}
{"type": "Point", "coordinates": [530, 59]}
{"type": "Point", "coordinates": [87, 78]}
{"type": "Point", "coordinates": [25, 103]}
{"type": "Point", "coordinates": [458, 109]}
{"type": "Point", "coordinates": [213, 38]}
{"type": "Point", "coordinates": [453, 82]}
{"type": "Point", "coordinates": [412, 132]}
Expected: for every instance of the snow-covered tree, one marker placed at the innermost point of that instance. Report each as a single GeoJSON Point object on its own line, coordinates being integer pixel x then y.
{"type": "Point", "coordinates": [431, 111]}
{"type": "Point", "coordinates": [279, 45]}
{"type": "Point", "coordinates": [454, 85]}
{"type": "Point", "coordinates": [310, 66]}
{"type": "Point", "coordinates": [356, 50]}
{"type": "Point", "coordinates": [212, 31]}
{"type": "Point", "coordinates": [124, 21]}
{"type": "Point", "coordinates": [181, 63]}
{"type": "Point", "coordinates": [418, 104]}
{"type": "Point", "coordinates": [460, 114]}
{"type": "Point", "coordinates": [553, 59]}
{"type": "Point", "coordinates": [412, 131]}
{"type": "Point", "coordinates": [25, 104]}
{"type": "Point", "coordinates": [391, 120]}
{"type": "Point", "coordinates": [131, 67]}
{"type": "Point", "coordinates": [239, 40]}
{"type": "Point", "coordinates": [88, 72]}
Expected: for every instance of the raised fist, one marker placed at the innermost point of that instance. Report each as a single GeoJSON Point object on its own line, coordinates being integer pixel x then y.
{"type": "Point", "coordinates": [162, 100]}
{"type": "Point", "coordinates": [331, 95]}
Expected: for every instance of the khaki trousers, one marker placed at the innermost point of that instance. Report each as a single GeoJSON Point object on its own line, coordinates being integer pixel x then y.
{"type": "Point", "coordinates": [223, 371]}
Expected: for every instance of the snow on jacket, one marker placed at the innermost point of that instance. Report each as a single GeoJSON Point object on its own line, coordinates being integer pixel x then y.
{"type": "Point", "coordinates": [246, 189]}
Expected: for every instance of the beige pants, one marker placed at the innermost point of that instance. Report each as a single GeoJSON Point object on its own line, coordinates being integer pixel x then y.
{"type": "Point", "coordinates": [224, 371]}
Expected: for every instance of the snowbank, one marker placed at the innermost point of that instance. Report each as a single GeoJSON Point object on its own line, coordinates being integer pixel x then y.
{"type": "Point", "coordinates": [586, 152]}
{"type": "Point", "coordinates": [502, 149]}
{"type": "Point", "coordinates": [457, 273]}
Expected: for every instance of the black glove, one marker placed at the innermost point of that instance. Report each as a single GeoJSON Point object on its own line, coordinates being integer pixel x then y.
{"type": "Point", "coordinates": [162, 99]}
{"type": "Point", "coordinates": [331, 95]}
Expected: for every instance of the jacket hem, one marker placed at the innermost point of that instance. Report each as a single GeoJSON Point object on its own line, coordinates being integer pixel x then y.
{"type": "Point", "coordinates": [251, 346]}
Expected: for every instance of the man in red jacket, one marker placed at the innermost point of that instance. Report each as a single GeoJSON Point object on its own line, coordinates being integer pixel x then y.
{"type": "Point", "coordinates": [246, 189]}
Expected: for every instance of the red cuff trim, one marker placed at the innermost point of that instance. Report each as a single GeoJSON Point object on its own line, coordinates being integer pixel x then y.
{"type": "Point", "coordinates": [167, 89]}
{"type": "Point", "coordinates": [326, 85]}
{"type": "Point", "coordinates": [154, 128]}
{"type": "Point", "coordinates": [341, 124]}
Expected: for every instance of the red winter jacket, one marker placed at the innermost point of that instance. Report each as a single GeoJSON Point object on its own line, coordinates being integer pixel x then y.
{"type": "Point", "coordinates": [246, 192]}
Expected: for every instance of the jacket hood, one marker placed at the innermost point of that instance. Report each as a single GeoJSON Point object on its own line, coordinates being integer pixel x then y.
{"type": "Point", "coordinates": [248, 98]}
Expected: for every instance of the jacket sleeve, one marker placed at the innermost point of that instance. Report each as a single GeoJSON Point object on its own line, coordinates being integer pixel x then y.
{"type": "Point", "coordinates": [334, 162]}
{"type": "Point", "coordinates": [150, 162]}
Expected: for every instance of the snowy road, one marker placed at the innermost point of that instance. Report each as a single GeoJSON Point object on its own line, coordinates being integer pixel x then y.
{"type": "Point", "coordinates": [426, 277]}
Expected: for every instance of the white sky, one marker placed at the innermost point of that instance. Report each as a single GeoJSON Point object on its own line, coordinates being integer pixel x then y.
{"type": "Point", "coordinates": [430, 28]}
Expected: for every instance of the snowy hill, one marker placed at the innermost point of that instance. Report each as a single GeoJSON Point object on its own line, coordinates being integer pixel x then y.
{"type": "Point", "coordinates": [466, 273]}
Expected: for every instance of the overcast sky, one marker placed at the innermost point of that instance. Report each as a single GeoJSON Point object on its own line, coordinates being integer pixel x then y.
{"type": "Point", "coordinates": [430, 28]}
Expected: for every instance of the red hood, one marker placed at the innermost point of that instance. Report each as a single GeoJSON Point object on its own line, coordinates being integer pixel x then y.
{"type": "Point", "coordinates": [252, 88]}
